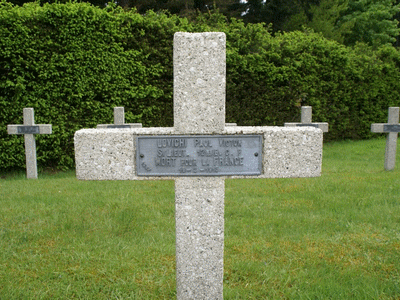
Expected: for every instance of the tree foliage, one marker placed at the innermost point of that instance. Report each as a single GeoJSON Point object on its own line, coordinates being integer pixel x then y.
{"type": "Point", "coordinates": [72, 63]}
{"type": "Point", "coordinates": [323, 18]}
{"type": "Point", "coordinates": [373, 22]}
{"type": "Point", "coordinates": [347, 21]}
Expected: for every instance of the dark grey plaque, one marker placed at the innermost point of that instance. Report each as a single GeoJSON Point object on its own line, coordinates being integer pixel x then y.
{"type": "Point", "coordinates": [307, 125]}
{"type": "Point", "coordinates": [28, 130]}
{"type": "Point", "coordinates": [199, 155]}
{"type": "Point", "coordinates": [391, 128]}
{"type": "Point", "coordinates": [118, 126]}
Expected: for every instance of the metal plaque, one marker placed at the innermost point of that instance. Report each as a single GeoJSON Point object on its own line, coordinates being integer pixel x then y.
{"type": "Point", "coordinates": [199, 155]}
{"type": "Point", "coordinates": [28, 130]}
{"type": "Point", "coordinates": [391, 128]}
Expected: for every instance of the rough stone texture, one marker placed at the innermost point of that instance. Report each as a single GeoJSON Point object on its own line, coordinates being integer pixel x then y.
{"type": "Point", "coordinates": [306, 114]}
{"type": "Point", "coordinates": [105, 155]}
{"type": "Point", "coordinates": [30, 143]}
{"type": "Point", "coordinates": [287, 152]}
{"type": "Point", "coordinates": [306, 117]}
{"type": "Point", "coordinates": [199, 218]}
{"type": "Point", "coordinates": [119, 116]}
{"type": "Point", "coordinates": [391, 141]}
{"type": "Point", "coordinates": [199, 82]}
{"type": "Point", "coordinates": [199, 107]}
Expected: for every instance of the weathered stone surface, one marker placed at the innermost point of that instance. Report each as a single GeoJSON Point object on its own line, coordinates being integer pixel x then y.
{"type": "Point", "coordinates": [111, 154]}
{"type": "Point", "coordinates": [199, 219]}
{"type": "Point", "coordinates": [199, 82]}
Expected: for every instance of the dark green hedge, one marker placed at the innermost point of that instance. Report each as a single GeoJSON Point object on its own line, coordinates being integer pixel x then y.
{"type": "Point", "coordinates": [74, 62]}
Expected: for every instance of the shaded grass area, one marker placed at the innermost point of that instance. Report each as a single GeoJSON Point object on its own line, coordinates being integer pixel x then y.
{"type": "Point", "coordinates": [332, 237]}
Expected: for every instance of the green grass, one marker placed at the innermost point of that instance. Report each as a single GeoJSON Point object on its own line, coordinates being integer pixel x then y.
{"type": "Point", "coordinates": [332, 237]}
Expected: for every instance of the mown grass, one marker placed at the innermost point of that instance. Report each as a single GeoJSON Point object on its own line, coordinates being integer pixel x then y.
{"type": "Point", "coordinates": [332, 237]}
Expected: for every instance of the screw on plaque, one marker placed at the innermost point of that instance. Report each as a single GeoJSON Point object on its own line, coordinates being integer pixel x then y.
{"type": "Point", "coordinates": [256, 154]}
{"type": "Point", "coordinates": [146, 167]}
{"type": "Point", "coordinates": [141, 155]}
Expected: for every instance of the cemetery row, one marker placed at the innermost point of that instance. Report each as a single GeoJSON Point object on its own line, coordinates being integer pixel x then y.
{"type": "Point", "coordinates": [29, 129]}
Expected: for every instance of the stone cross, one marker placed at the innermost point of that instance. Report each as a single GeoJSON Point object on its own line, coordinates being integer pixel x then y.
{"type": "Point", "coordinates": [119, 120]}
{"type": "Point", "coordinates": [306, 116]}
{"type": "Point", "coordinates": [199, 152]}
{"type": "Point", "coordinates": [393, 128]}
{"type": "Point", "coordinates": [28, 129]}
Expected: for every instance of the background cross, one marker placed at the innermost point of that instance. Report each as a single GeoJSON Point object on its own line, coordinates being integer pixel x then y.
{"type": "Point", "coordinates": [306, 117]}
{"type": "Point", "coordinates": [392, 127]}
{"type": "Point", "coordinates": [119, 120]}
{"type": "Point", "coordinates": [28, 129]}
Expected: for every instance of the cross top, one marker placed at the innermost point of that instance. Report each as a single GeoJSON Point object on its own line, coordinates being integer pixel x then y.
{"type": "Point", "coordinates": [199, 82]}
{"type": "Point", "coordinates": [28, 129]}
{"type": "Point", "coordinates": [393, 128]}
{"type": "Point", "coordinates": [306, 116]}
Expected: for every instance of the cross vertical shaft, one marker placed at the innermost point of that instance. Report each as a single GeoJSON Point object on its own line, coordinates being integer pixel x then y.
{"type": "Point", "coordinates": [306, 113]}
{"type": "Point", "coordinates": [391, 142]}
{"type": "Point", "coordinates": [119, 116]}
{"type": "Point", "coordinates": [199, 73]}
{"type": "Point", "coordinates": [30, 145]}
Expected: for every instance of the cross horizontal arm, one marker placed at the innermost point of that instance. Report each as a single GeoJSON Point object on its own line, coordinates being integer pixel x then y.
{"type": "Point", "coordinates": [111, 154]}
{"type": "Point", "coordinates": [385, 127]}
{"type": "Point", "coordinates": [29, 129]}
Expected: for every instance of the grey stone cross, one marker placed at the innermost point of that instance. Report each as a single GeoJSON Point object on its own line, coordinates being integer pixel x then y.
{"type": "Point", "coordinates": [119, 121]}
{"type": "Point", "coordinates": [393, 128]}
{"type": "Point", "coordinates": [306, 116]}
{"type": "Point", "coordinates": [199, 152]}
{"type": "Point", "coordinates": [28, 129]}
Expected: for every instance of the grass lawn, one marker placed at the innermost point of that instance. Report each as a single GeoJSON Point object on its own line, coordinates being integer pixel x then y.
{"type": "Point", "coordinates": [332, 237]}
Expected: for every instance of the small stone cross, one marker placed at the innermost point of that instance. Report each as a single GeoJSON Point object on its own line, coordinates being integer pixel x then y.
{"type": "Point", "coordinates": [393, 128]}
{"type": "Point", "coordinates": [28, 129]}
{"type": "Point", "coordinates": [306, 116]}
{"type": "Point", "coordinates": [119, 121]}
